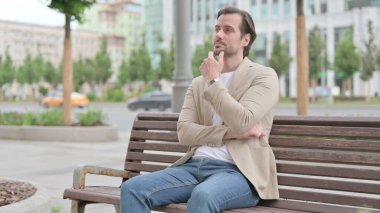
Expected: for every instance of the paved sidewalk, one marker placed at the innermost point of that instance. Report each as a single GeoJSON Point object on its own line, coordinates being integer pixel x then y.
{"type": "Point", "coordinates": [51, 164]}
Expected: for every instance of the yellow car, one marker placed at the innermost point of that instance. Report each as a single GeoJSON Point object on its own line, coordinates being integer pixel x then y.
{"type": "Point", "coordinates": [55, 100]}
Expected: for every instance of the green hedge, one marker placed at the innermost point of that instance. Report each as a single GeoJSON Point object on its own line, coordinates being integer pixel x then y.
{"type": "Point", "coordinates": [51, 118]}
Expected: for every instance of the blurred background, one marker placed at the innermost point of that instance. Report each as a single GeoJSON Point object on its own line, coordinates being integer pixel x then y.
{"type": "Point", "coordinates": [124, 49]}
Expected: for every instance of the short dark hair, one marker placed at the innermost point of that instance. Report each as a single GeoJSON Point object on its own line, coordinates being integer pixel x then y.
{"type": "Point", "coordinates": [246, 27]}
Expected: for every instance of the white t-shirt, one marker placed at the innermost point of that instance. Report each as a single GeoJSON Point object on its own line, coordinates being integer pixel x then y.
{"type": "Point", "coordinates": [218, 153]}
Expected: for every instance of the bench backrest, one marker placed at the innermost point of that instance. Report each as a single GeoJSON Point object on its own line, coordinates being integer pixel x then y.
{"type": "Point", "coordinates": [327, 161]}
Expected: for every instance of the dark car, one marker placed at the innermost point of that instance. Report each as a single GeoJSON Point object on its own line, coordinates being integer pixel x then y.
{"type": "Point", "coordinates": [153, 100]}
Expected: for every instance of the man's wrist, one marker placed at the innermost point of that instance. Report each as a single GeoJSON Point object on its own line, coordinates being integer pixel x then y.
{"type": "Point", "coordinates": [212, 81]}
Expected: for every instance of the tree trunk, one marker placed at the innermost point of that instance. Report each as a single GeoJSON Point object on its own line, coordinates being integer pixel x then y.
{"type": "Point", "coordinates": [1, 93]}
{"type": "Point", "coordinates": [67, 73]}
{"type": "Point", "coordinates": [302, 62]}
{"type": "Point", "coordinates": [349, 86]}
{"type": "Point", "coordinates": [368, 99]}
{"type": "Point", "coordinates": [31, 92]}
{"type": "Point", "coordinates": [314, 86]}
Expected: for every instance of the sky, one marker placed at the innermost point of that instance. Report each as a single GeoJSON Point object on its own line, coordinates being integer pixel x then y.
{"type": "Point", "coordinates": [30, 11]}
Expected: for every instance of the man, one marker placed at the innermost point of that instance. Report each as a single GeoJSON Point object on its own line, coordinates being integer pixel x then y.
{"type": "Point", "coordinates": [225, 118]}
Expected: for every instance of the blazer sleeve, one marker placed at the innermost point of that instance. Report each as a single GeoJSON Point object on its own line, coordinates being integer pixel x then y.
{"type": "Point", "coordinates": [189, 128]}
{"type": "Point", "coordinates": [260, 98]}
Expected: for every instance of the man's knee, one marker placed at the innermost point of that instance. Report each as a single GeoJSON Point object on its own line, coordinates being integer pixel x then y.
{"type": "Point", "coordinates": [202, 199]}
{"type": "Point", "coordinates": [130, 188]}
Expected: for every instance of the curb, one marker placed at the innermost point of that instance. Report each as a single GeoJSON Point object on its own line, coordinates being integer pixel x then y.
{"type": "Point", "coordinates": [37, 203]}
{"type": "Point", "coordinates": [59, 133]}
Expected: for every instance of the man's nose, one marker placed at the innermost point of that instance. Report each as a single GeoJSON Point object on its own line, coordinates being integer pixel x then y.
{"type": "Point", "coordinates": [219, 34]}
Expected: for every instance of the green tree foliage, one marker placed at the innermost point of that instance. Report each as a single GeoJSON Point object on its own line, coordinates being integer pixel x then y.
{"type": "Point", "coordinates": [81, 73]}
{"type": "Point", "coordinates": [122, 77]}
{"type": "Point", "coordinates": [138, 66]}
{"type": "Point", "coordinates": [368, 58]}
{"type": "Point", "coordinates": [368, 55]}
{"type": "Point", "coordinates": [73, 9]}
{"type": "Point", "coordinates": [102, 65]}
{"type": "Point", "coordinates": [346, 50]}
{"type": "Point", "coordinates": [7, 72]}
{"type": "Point", "coordinates": [316, 51]}
{"type": "Point", "coordinates": [166, 67]}
{"type": "Point", "coordinates": [316, 58]}
{"type": "Point", "coordinates": [52, 75]}
{"type": "Point", "coordinates": [30, 71]}
{"type": "Point", "coordinates": [201, 52]}
{"type": "Point", "coordinates": [378, 59]}
{"type": "Point", "coordinates": [280, 59]}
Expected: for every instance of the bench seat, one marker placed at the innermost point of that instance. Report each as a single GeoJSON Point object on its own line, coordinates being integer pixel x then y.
{"type": "Point", "coordinates": [324, 164]}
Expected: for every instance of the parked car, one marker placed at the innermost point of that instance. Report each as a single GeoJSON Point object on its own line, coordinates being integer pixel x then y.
{"type": "Point", "coordinates": [55, 99]}
{"type": "Point", "coordinates": [157, 100]}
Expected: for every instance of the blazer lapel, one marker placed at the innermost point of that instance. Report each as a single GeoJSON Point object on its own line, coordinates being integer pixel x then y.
{"type": "Point", "coordinates": [236, 88]}
{"type": "Point", "coordinates": [206, 109]}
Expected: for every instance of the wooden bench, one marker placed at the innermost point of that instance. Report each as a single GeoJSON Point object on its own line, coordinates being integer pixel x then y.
{"type": "Point", "coordinates": [325, 164]}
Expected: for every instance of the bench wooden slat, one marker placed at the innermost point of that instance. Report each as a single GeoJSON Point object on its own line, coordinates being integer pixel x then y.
{"type": "Point", "coordinates": [97, 194]}
{"type": "Point", "coordinates": [332, 170]}
{"type": "Point", "coordinates": [330, 131]}
{"type": "Point", "coordinates": [158, 136]}
{"type": "Point", "coordinates": [158, 116]}
{"type": "Point", "coordinates": [327, 121]}
{"type": "Point", "coordinates": [331, 197]}
{"type": "Point", "coordinates": [324, 143]}
{"type": "Point", "coordinates": [152, 157]}
{"type": "Point", "coordinates": [340, 185]}
{"type": "Point", "coordinates": [142, 167]}
{"type": "Point", "coordinates": [312, 206]}
{"type": "Point", "coordinates": [181, 207]}
{"type": "Point", "coordinates": [155, 125]}
{"type": "Point", "coordinates": [171, 147]}
{"type": "Point", "coordinates": [330, 156]}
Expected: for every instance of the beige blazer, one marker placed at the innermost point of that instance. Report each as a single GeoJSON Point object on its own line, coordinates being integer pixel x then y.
{"type": "Point", "coordinates": [250, 98]}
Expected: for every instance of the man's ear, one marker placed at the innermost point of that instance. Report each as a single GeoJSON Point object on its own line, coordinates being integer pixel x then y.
{"type": "Point", "coordinates": [246, 39]}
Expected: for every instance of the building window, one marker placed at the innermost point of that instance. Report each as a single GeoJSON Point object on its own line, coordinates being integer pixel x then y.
{"type": "Point", "coordinates": [208, 10]}
{"type": "Point", "coordinates": [254, 9]}
{"type": "Point", "coordinates": [310, 7]}
{"type": "Point", "coordinates": [351, 4]}
{"type": "Point", "coordinates": [275, 9]}
{"type": "Point", "coordinates": [376, 3]}
{"type": "Point", "coordinates": [199, 10]}
{"type": "Point", "coordinates": [339, 33]}
{"type": "Point", "coordinates": [264, 10]}
{"type": "Point", "coordinates": [324, 6]}
{"type": "Point", "coordinates": [260, 48]}
{"type": "Point", "coordinates": [287, 9]}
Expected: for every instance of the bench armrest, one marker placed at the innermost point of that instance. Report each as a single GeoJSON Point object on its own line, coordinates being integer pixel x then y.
{"type": "Point", "coordinates": [80, 173]}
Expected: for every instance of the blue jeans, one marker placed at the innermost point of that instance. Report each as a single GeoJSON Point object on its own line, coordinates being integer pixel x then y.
{"type": "Point", "coordinates": [206, 185]}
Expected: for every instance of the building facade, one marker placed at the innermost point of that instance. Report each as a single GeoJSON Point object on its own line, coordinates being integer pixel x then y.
{"type": "Point", "coordinates": [159, 27]}
{"type": "Point", "coordinates": [120, 23]}
{"type": "Point", "coordinates": [20, 39]}
{"type": "Point", "coordinates": [278, 16]}
{"type": "Point", "coordinates": [333, 18]}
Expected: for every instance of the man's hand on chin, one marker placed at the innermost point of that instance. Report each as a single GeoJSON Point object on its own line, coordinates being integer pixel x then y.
{"type": "Point", "coordinates": [212, 68]}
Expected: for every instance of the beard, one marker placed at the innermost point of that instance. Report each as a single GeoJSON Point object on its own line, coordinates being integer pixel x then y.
{"type": "Point", "coordinates": [219, 46]}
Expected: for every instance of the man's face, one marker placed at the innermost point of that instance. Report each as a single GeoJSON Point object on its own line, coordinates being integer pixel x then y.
{"type": "Point", "coordinates": [227, 35]}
